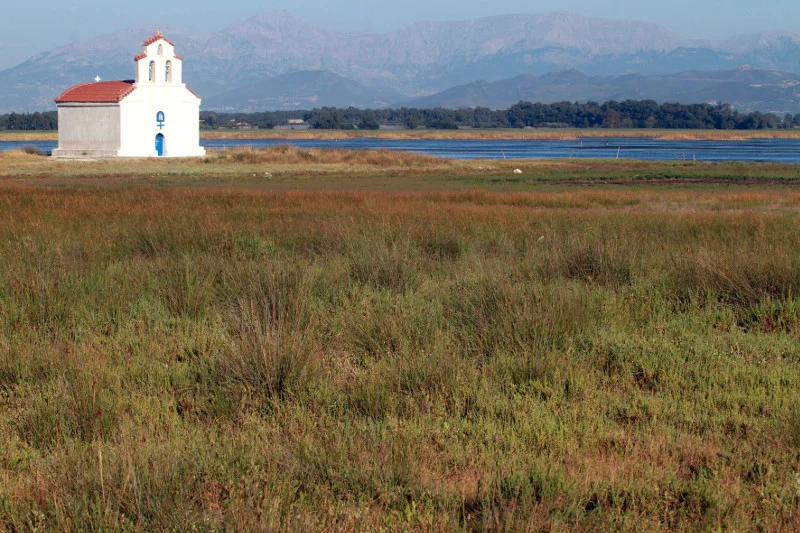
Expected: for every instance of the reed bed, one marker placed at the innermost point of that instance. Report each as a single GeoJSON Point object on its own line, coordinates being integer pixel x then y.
{"type": "Point", "coordinates": [536, 134]}
{"type": "Point", "coordinates": [28, 135]}
{"type": "Point", "coordinates": [541, 134]}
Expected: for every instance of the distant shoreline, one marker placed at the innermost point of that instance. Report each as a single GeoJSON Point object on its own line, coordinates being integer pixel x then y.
{"type": "Point", "coordinates": [464, 134]}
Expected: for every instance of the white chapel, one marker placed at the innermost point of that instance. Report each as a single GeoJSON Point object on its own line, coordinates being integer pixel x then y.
{"type": "Point", "coordinates": [153, 115]}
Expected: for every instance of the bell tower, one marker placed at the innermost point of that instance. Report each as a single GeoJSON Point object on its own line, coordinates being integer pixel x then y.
{"type": "Point", "coordinates": [158, 64]}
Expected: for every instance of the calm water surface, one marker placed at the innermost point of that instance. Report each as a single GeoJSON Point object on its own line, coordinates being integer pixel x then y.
{"type": "Point", "coordinates": [757, 150]}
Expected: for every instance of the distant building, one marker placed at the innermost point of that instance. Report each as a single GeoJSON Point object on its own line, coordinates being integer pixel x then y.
{"type": "Point", "coordinates": [153, 115]}
{"type": "Point", "coordinates": [294, 126]}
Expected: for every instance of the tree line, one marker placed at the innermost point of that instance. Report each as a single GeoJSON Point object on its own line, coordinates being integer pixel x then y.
{"type": "Point", "coordinates": [612, 114]}
{"type": "Point", "coordinates": [47, 121]}
{"type": "Point", "coordinates": [645, 114]}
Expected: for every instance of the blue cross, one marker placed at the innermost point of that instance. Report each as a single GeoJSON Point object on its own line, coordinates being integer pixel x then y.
{"type": "Point", "coordinates": [160, 120]}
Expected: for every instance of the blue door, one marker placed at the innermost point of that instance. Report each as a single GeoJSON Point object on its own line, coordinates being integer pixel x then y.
{"type": "Point", "coordinates": [160, 145]}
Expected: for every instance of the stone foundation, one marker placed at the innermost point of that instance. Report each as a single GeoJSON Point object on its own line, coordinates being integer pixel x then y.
{"type": "Point", "coordinates": [78, 154]}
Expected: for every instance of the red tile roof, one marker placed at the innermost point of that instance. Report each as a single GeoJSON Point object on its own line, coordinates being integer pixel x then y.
{"type": "Point", "coordinates": [140, 57]}
{"type": "Point", "coordinates": [178, 57]}
{"type": "Point", "coordinates": [155, 38]}
{"type": "Point", "coordinates": [100, 92]}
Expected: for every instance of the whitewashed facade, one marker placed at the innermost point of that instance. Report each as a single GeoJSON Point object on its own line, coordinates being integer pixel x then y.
{"type": "Point", "coordinates": [153, 115]}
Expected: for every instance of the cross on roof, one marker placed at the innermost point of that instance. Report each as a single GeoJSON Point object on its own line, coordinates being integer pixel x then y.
{"type": "Point", "coordinates": [97, 78]}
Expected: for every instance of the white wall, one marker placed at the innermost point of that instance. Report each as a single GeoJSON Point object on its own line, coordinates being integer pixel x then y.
{"type": "Point", "coordinates": [181, 126]}
{"type": "Point", "coordinates": [89, 127]}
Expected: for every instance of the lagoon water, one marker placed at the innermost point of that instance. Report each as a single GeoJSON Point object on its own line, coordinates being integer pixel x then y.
{"type": "Point", "coordinates": [642, 148]}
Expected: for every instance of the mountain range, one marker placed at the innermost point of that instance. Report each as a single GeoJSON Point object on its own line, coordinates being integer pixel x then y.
{"type": "Point", "coordinates": [302, 90]}
{"type": "Point", "coordinates": [413, 62]}
{"type": "Point", "coordinates": [744, 88]}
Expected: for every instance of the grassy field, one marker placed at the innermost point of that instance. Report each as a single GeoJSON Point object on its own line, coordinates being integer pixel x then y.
{"type": "Point", "coordinates": [380, 341]}
{"type": "Point", "coordinates": [475, 134]}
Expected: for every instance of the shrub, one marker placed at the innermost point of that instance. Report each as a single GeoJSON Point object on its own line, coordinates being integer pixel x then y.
{"type": "Point", "coordinates": [32, 150]}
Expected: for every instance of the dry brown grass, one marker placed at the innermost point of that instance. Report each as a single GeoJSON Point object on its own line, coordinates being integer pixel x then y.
{"type": "Point", "coordinates": [28, 135]}
{"type": "Point", "coordinates": [293, 156]}
{"type": "Point", "coordinates": [507, 134]}
{"type": "Point", "coordinates": [465, 134]}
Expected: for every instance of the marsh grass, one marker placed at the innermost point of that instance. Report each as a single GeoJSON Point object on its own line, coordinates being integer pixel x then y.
{"type": "Point", "coordinates": [291, 155]}
{"type": "Point", "coordinates": [285, 168]}
{"type": "Point", "coordinates": [272, 344]}
{"type": "Point", "coordinates": [207, 358]}
{"type": "Point", "coordinates": [475, 134]}
{"type": "Point", "coordinates": [81, 406]}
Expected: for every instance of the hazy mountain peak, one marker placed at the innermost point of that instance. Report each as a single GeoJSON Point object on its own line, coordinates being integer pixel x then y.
{"type": "Point", "coordinates": [276, 18]}
{"type": "Point", "coordinates": [556, 28]}
{"type": "Point", "coordinates": [276, 25]}
{"type": "Point", "coordinates": [770, 40]}
{"type": "Point", "coordinates": [277, 13]}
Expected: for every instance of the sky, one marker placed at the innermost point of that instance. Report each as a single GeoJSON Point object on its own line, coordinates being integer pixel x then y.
{"type": "Point", "coordinates": [33, 26]}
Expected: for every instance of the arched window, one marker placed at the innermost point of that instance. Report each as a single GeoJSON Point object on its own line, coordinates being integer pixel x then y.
{"type": "Point", "coordinates": [152, 71]}
{"type": "Point", "coordinates": [161, 49]}
{"type": "Point", "coordinates": [168, 72]}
